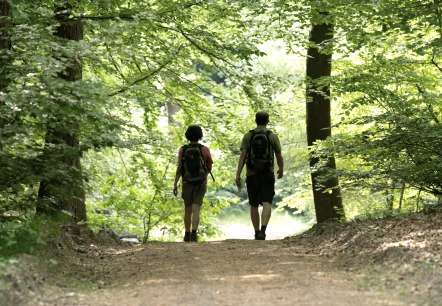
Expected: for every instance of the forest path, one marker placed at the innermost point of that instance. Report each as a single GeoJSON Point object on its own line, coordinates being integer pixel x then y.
{"type": "Point", "coordinates": [231, 272]}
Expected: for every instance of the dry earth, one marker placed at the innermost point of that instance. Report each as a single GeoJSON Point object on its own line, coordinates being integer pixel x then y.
{"type": "Point", "coordinates": [384, 262]}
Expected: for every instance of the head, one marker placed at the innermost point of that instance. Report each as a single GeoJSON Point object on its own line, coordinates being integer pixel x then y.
{"type": "Point", "coordinates": [262, 118]}
{"type": "Point", "coordinates": [194, 133]}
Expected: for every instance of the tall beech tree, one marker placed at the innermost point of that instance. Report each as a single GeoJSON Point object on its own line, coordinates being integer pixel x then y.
{"type": "Point", "coordinates": [61, 142]}
{"type": "Point", "coordinates": [326, 191]}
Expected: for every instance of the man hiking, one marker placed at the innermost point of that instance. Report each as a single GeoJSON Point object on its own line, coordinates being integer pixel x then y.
{"type": "Point", "coordinates": [194, 164]}
{"type": "Point", "coordinates": [258, 148]}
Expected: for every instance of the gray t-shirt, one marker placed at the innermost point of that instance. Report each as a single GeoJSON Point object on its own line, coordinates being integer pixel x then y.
{"type": "Point", "coordinates": [274, 141]}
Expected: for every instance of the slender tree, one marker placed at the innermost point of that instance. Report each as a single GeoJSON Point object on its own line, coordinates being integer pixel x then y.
{"type": "Point", "coordinates": [66, 193]}
{"type": "Point", "coordinates": [5, 40]}
{"type": "Point", "coordinates": [5, 46]}
{"type": "Point", "coordinates": [326, 192]}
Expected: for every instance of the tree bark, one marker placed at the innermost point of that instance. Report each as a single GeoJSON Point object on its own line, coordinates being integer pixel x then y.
{"type": "Point", "coordinates": [172, 109]}
{"type": "Point", "coordinates": [5, 46]}
{"type": "Point", "coordinates": [5, 39]}
{"type": "Point", "coordinates": [65, 194]}
{"type": "Point", "coordinates": [328, 205]}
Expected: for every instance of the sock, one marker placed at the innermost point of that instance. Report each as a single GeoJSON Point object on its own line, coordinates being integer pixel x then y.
{"type": "Point", "coordinates": [194, 231]}
{"type": "Point", "coordinates": [263, 228]}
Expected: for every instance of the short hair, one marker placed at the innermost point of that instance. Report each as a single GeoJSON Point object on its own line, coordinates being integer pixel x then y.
{"type": "Point", "coordinates": [262, 118]}
{"type": "Point", "coordinates": [194, 133]}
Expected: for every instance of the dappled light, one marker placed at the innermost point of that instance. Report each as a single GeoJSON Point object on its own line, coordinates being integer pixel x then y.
{"type": "Point", "coordinates": [138, 140]}
{"type": "Point", "coordinates": [409, 243]}
{"type": "Point", "coordinates": [262, 277]}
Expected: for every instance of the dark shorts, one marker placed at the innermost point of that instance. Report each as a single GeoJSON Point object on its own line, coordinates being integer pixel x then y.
{"type": "Point", "coordinates": [260, 188]}
{"type": "Point", "coordinates": [193, 194]}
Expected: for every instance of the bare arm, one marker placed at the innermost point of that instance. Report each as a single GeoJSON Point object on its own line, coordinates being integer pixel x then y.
{"type": "Point", "coordinates": [241, 162]}
{"type": "Point", "coordinates": [177, 176]}
{"type": "Point", "coordinates": [280, 162]}
{"type": "Point", "coordinates": [177, 179]}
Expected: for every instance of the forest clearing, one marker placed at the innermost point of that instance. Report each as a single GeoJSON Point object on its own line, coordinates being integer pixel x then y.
{"type": "Point", "coordinates": [384, 262]}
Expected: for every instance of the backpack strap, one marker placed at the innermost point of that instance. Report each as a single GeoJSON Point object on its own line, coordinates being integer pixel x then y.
{"type": "Point", "coordinates": [268, 132]}
{"type": "Point", "coordinates": [204, 162]}
{"type": "Point", "coordinates": [252, 133]}
{"type": "Point", "coordinates": [183, 150]}
{"type": "Point", "coordinates": [271, 147]}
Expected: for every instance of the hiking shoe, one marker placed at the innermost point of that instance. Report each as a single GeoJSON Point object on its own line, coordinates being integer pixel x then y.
{"type": "Point", "coordinates": [260, 236]}
{"type": "Point", "coordinates": [194, 237]}
{"type": "Point", "coordinates": [187, 237]}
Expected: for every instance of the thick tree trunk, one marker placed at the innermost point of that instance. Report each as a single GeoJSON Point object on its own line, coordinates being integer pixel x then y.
{"type": "Point", "coordinates": [5, 39]}
{"type": "Point", "coordinates": [172, 109]}
{"type": "Point", "coordinates": [65, 194]}
{"type": "Point", "coordinates": [328, 205]}
{"type": "Point", "coordinates": [5, 46]}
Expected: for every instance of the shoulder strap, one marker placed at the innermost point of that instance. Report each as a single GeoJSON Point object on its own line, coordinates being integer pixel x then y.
{"type": "Point", "coordinates": [200, 146]}
{"type": "Point", "coordinates": [184, 147]}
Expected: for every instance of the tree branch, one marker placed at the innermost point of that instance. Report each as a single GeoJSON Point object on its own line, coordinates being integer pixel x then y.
{"type": "Point", "coordinates": [114, 62]}
{"type": "Point", "coordinates": [435, 64]}
{"type": "Point", "coordinates": [135, 15]}
{"type": "Point", "coordinates": [152, 73]}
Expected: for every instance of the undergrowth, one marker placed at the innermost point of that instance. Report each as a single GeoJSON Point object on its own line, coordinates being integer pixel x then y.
{"type": "Point", "coordinates": [27, 236]}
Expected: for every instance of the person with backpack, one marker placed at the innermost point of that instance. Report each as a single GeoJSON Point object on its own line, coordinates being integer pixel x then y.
{"type": "Point", "coordinates": [194, 164]}
{"type": "Point", "coordinates": [258, 149]}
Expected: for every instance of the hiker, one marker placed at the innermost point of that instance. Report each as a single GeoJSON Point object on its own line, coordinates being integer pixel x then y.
{"type": "Point", "coordinates": [194, 164]}
{"type": "Point", "coordinates": [258, 148]}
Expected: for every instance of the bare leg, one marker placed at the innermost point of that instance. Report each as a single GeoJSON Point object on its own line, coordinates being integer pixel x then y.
{"type": "Point", "coordinates": [266, 213]}
{"type": "Point", "coordinates": [187, 218]}
{"type": "Point", "coordinates": [195, 216]}
{"type": "Point", "coordinates": [254, 215]}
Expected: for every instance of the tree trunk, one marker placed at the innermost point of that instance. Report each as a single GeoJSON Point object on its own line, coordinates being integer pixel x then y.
{"type": "Point", "coordinates": [65, 194]}
{"type": "Point", "coordinates": [5, 39]}
{"type": "Point", "coordinates": [172, 109]}
{"type": "Point", "coordinates": [389, 194]}
{"type": "Point", "coordinates": [328, 205]}
{"type": "Point", "coordinates": [401, 198]}
{"type": "Point", "coordinates": [5, 46]}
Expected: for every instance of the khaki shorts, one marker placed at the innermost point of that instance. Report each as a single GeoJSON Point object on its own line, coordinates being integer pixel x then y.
{"type": "Point", "coordinates": [193, 194]}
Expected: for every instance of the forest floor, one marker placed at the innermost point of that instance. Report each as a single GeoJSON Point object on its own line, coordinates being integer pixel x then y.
{"type": "Point", "coordinates": [393, 261]}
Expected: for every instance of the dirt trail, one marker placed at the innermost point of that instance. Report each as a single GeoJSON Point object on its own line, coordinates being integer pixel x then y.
{"type": "Point", "coordinates": [231, 272]}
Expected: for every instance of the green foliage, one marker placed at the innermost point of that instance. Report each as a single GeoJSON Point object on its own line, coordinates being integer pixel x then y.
{"type": "Point", "coordinates": [137, 198]}
{"type": "Point", "coordinates": [150, 68]}
{"type": "Point", "coordinates": [388, 118]}
{"type": "Point", "coordinates": [136, 59]}
{"type": "Point", "coordinates": [29, 236]}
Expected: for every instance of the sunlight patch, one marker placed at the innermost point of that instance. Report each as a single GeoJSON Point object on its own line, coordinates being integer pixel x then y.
{"type": "Point", "coordinates": [260, 276]}
{"type": "Point", "coordinates": [412, 244]}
